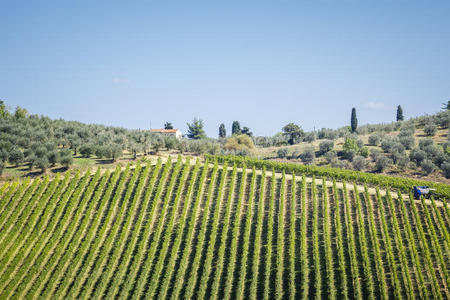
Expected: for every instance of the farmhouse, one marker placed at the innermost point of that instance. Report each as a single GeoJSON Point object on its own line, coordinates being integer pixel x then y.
{"type": "Point", "coordinates": [169, 132]}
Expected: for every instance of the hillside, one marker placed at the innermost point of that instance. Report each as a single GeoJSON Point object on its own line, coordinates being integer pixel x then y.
{"type": "Point", "coordinates": [184, 230]}
{"type": "Point", "coordinates": [404, 145]}
{"type": "Point", "coordinates": [32, 145]}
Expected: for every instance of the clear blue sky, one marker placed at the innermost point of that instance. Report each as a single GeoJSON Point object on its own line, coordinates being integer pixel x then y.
{"type": "Point", "coordinates": [127, 63]}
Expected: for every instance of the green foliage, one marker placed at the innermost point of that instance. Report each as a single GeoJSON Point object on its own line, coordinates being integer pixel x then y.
{"type": "Point", "coordinates": [399, 114]}
{"type": "Point", "coordinates": [430, 129]}
{"type": "Point", "coordinates": [3, 110]}
{"type": "Point", "coordinates": [282, 153]}
{"type": "Point", "coordinates": [427, 166]}
{"type": "Point", "coordinates": [407, 141]}
{"type": "Point", "coordinates": [293, 132]}
{"type": "Point", "coordinates": [195, 129]}
{"type": "Point", "coordinates": [239, 142]}
{"type": "Point", "coordinates": [236, 128]}
{"type": "Point", "coordinates": [374, 139]}
{"type": "Point", "coordinates": [403, 184]}
{"type": "Point", "coordinates": [182, 146]}
{"type": "Point", "coordinates": [157, 143]}
{"type": "Point", "coordinates": [445, 167]}
{"type": "Point", "coordinates": [354, 120]}
{"type": "Point", "coordinates": [359, 163]}
{"type": "Point", "coordinates": [222, 131]}
{"type": "Point", "coordinates": [42, 163]}
{"type": "Point", "coordinates": [66, 161]}
{"type": "Point", "coordinates": [350, 144]}
{"type": "Point", "coordinates": [115, 151]}
{"type": "Point", "coordinates": [168, 125]}
{"type": "Point", "coordinates": [246, 130]}
{"type": "Point", "coordinates": [182, 231]}
{"type": "Point", "coordinates": [171, 142]}
{"type": "Point", "coordinates": [326, 146]}
{"type": "Point", "coordinates": [21, 113]}
{"type": "Point", "coordinates": [308, 156]}
{"type": "Point", "coordinates": [381, 163]}
{"type": "Point", "coordinates": [86, 150]}
{"type": "Point", "coordinates": [446, 106]}
{"type": "Point", "coordinates": [53, 157]}
{"type": "Point", "coordinates": [16, 156]}
{"type": "Point", "coordinates": [310, 137]}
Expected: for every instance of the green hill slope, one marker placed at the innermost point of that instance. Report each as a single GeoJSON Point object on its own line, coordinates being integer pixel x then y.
{"type": "Point", "coordinates": [178, 230]}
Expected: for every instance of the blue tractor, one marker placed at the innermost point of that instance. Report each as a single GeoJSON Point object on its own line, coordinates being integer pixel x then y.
{"type": "Point", "coordinates": [420, 191]}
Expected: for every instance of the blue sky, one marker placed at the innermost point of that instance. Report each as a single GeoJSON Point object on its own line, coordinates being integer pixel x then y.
{"type": "Point", "coordinates": [264, 63]}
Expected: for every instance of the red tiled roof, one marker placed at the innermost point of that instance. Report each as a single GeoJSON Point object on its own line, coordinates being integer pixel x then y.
{"type": "Point", "coordinates": [165, 130]}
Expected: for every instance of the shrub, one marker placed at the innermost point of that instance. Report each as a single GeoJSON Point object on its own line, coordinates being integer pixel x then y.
{"type": "Point", "coordinates": [308, 156]}
{"type": "Point", "coordinates": [430, 129]}
{"type": "Point", "coordinates": [407, 130]}
{"type": "Point", "coordinates": [115, 151]}
{"type": "Point", "coordinates": [360, 143]}
{"type": "Point", "coordinates": [441, 158]}
{"type": "Point", "coordinates": [326, 133]}
{"type": "Point", "coordinates": [432, 151]}
{"type": "Point", "coordinates": [374, 139]}
{"type": "Point", "coordinates": [42, 163]}
{"type": "Point", "coordinates": [182, 146]}
{"type": "Point", "coordinates": [387, 145]}
{"type": "Point", "coordinates": [282, 153]}
{"type": "Point", "coordinates": [2, 167]}
{"type": "Point", "coordinates": [66, 161]}
{"type": "Point", "coordinates": [400, 159]}
{"type": "Point", "coordinates": [329, 156]}
{"type": "Point", "coordinates": [239, 142]}
{"type": "Point", "coordinates": [86, 150]}
{"type": "Point", "coordinates": [374, 153]}
{"type": "Point", "coordinates": [198, 147]}
{"type": "Point", "coordinates": [381, 163]}
{"type": "Point", "coordinates": [336, 163]}
{"type": "Point", "coordinates": [417, 155]}
{"type": "Point", "coordinates": [157, 143]}
{"type": "Point", "coordinates": [349, 154]}
{"type": "Point", "coordinates": [397, 148]}
{"type": "Point", "coordinates": [359, 162]}
{"type": "Point", "coordinates": [53, 157]}
{"type": "Point", "coordinates": [214, 148]}
{"type": "Point", "coordinates": [445, 167]}
{"type": "Point", "coordinates": [326, 146]}
{"type": "Point", "coordinates": [3, 154]}
{"type": "Point", "coordinates": [364, 151]}
{"type": "Point", "coordinates": [350, 144]}
{"type": "Point", "coordinates": [171, 142]}
{"type": "Point", "coordinates": [100, 151]}
{"type": "Point", "coordinates": [310, 137]}
{"type": "Point", "coordinates": [427, 166]}
{"type": "Point", "coordinates": [242, 152]}
{"type": "Point", "coordinates": [407, 141]}
{"type": "Point", "coordinates": [295, 154]}
{"type": "Point", "coordinates": [16, 156]}
{"type": "Point", "coordinates": [423, 143]}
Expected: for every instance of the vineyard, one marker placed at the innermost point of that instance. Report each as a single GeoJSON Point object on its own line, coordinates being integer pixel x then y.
{"type": "Point", "coordinates": [202, 230]}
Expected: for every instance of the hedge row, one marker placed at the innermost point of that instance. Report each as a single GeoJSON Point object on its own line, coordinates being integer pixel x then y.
{"type": "Point", "coordinates": [403, 184]}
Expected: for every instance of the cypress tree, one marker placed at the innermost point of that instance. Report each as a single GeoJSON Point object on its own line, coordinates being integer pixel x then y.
{"type": "Point", "coordinates": [354, 120]}
{"type": "Point", "coordinates": [222, 131]}
{"type": "Point", "coordinates": [236, 128]}
{"type": "Point", "coordinates": [399, 113]}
